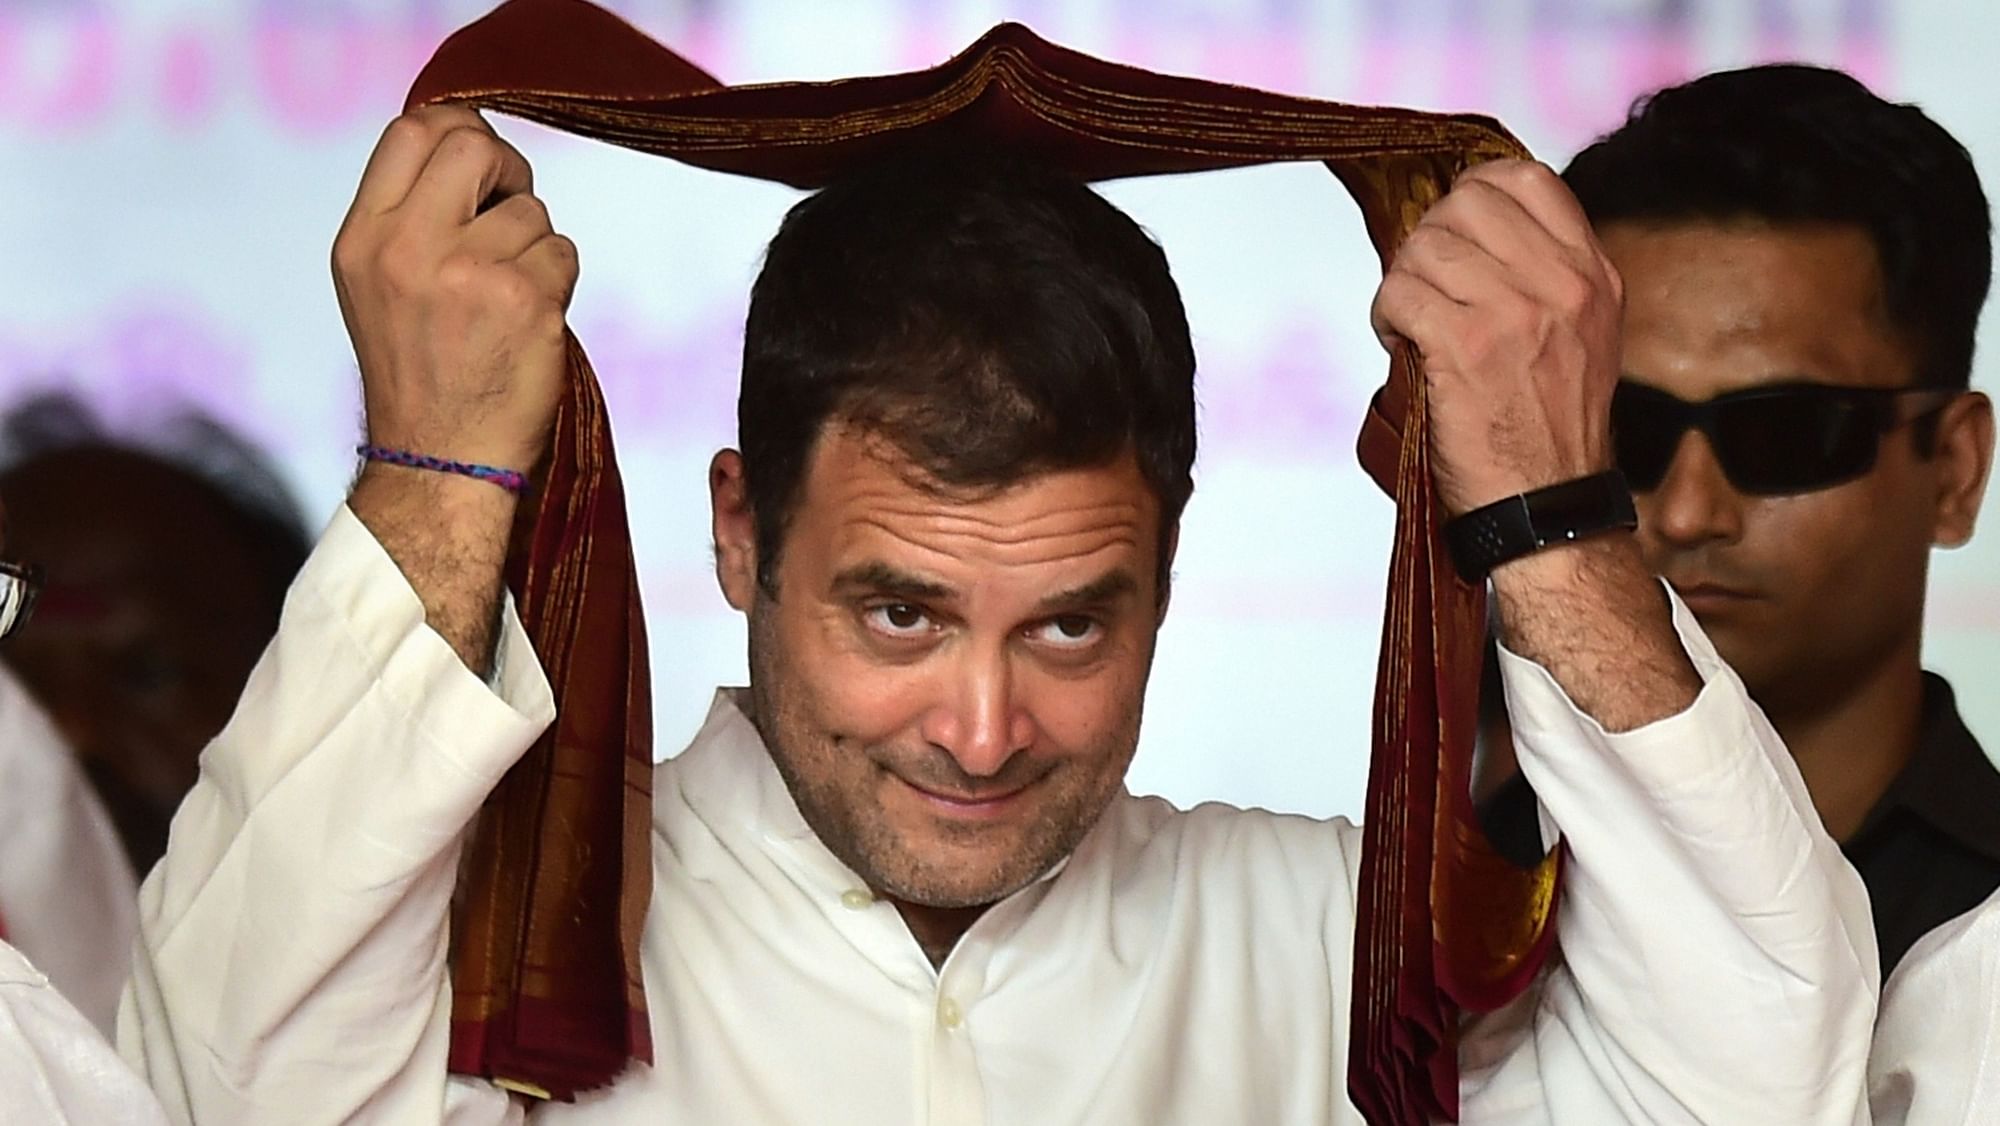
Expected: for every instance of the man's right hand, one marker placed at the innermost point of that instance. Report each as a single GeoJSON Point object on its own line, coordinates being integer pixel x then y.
{"type": "Point", "coordinates": [454, 288]}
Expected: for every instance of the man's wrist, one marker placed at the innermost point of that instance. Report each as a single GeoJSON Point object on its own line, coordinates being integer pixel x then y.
{"type": "Point", "coordinates": [447, 497]}
{"type": "Point", "coordinates": [1596, 618]}
{"type": "Point", "coordinates": [1563, 566]}
{"type": "Point", "coordinates": [448, 535]}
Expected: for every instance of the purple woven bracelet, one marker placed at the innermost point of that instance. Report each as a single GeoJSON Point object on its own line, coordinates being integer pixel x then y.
{"type": "Point", "coordinates": [507, 479]}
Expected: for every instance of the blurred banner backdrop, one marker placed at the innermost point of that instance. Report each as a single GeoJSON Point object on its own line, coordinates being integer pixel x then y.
{"type": "Point", "coordinates": [172, 172]}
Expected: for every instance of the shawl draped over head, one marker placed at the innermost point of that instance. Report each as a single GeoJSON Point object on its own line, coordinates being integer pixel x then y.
{"type": "Point", "coordinates": [554, 896]}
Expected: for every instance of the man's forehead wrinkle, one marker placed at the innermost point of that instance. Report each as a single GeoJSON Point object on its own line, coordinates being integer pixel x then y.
{"type": "Point", "coordinates": [1005, 515]}
{"type": "Point", "coordinates": [945, 538]}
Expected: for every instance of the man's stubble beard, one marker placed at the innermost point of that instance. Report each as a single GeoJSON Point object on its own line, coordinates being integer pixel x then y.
{"type": "Point", "coordinates": [850, 825]}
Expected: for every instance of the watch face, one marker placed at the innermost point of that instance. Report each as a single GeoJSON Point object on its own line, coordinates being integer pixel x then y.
{"type": "Point", "coordinates": [1583, 507]}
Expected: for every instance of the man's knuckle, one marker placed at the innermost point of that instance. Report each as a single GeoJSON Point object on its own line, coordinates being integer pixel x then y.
{"type": "Point", "coordinates": [351, 253]}
{"type": "Point", "coordinates": [1449, 210]}
{"type": "Point", "coordinates": [565, 251]}
{"type": "Point", "coordinates": [534, 212]}
{"type": "Point", "coordinates": [410, 130]}
{"type": "Point", "coordinates": [1427, 246]}
{"type": "Point", "coordinates": [1520, 173]}
{"type": "Point", "coordinates": [461, 275]}
{"type": "Point", "coordinates": [466, 145]}
{"type": "Point", "coordinates": [515, 290]}
{"type": "Point", "coordinates": [1614, 281]}
{"type": "Point", "coordinates": [1574, 292]}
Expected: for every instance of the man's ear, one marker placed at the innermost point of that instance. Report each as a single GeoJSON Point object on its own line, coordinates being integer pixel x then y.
{"type": "Point", "coordinates": [1964, 457]}
{"type": "Point", "coordinates": [734, 527]}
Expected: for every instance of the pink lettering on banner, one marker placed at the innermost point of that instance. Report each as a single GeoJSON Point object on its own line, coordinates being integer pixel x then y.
{"type": "Point", "coordinates": [1438, 54]}
{"type": "Point", "coordinates": [135, 363]}
{"type": "Point", "coordinates": [57, 74]}
{"type": "Point", "coordinates": [1571, 69]}
{"type": "Point", "coordinates": [706, 43]}
{"type": "Point", "coordinates": [1261, 43]}
{"type": "Point", "coordinates": [316, 75]}
{"type": "Point", "coordinates": [1867, 60]}
{"type": "Point", "coordinates": [667, 384]}
{"type": "Point", "coordinates": [188, 80]}
{"type": "Point", "coordinates": [924, 41]}
{"type": "Point", "coordinates": [1289, 400]}
{"type": "Point", "coordinates": [1270, 59]}
{"type": "Point", "coordinates": [1590, 60]}
{"type": "Point", "coordinates": [1583, 84]}
{"type": "Point", "coordinates": [1853, 30]}
{"type": "Point", "coordinates": [177, 353]}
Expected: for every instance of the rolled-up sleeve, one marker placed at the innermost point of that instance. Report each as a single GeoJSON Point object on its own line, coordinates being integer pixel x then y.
{"type": "Point", "coordinates": [292, 955]}
{"type": "Point", "coordinates": [1717, 957]}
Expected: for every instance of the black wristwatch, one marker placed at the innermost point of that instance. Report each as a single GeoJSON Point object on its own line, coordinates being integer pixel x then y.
{"type": "Point", "coordinates": [1505, 530]}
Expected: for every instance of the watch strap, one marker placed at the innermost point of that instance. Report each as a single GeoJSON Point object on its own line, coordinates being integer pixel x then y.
{"type": "Point", "coordinates": [1525, 523]}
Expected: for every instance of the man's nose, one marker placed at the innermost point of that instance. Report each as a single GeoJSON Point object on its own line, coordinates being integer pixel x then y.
{"type": "Point", "coordinates": [980, 719]}
{"type": "Point", "coordinates": [1693, 506]}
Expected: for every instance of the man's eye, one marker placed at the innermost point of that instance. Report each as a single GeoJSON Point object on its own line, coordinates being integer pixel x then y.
{"type": "Point", "coordinates": [1070, 631]}
{"type": "Point", "coordinates": [897, 619]}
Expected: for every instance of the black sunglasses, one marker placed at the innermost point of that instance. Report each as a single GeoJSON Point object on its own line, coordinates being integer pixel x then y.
{"type": "Point", "coordinates": [1769, 441]}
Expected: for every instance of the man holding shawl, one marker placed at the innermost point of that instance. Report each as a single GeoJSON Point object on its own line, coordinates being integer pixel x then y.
{"type": "Point", "coordinates": [897, 878]}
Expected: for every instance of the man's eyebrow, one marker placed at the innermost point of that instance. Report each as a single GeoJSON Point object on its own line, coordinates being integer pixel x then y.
{"type": "Point", "coordinates": [877, 577]}
{"type": "Point", "coordinates": [1108, 587]}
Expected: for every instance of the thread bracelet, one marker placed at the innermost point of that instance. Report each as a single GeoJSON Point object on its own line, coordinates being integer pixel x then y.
{"type": "Point", "coordinates": [507, 479]}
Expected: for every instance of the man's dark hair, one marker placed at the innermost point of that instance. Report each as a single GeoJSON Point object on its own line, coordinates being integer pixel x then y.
{"type": "Point", "coordinates": [990, 318]}
{"type": "Point", "coordinates": [233, 472]}
{"type": "Point", "coordinates": [1788, 143]}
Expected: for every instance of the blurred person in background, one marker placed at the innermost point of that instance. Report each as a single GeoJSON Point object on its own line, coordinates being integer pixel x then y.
{"type": "Point", "coordinates": [67, 915]}
{"type": "Point", "coordinates": [167, 556]}
{"type": "Point", "coordinates": [1804, 267]}
{"type": "Point", "coordinates": [68, 899]}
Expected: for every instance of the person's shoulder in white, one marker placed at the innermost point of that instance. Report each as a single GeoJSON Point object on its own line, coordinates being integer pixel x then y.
{"type": "Point", "coordinates": [67, 892]}
{"type": "Point", "coordinates": [1266, 858]}
{"type": "Point", "coordinates": [55, 1069]}
{"type": "Point", "coordinates": [1936, 1060]}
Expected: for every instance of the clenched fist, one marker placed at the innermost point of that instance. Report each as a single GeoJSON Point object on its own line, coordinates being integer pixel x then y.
{"type": "Point", "coordinates": [1515, 310]}
{"type": "Point", "coordinates": [454, 288]}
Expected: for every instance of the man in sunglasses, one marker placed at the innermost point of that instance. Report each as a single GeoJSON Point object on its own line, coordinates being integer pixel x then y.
{"type": "Point", "coordinates": [1804, 266]}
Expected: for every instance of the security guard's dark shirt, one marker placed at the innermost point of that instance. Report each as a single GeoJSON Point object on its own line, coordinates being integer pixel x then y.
{"type": "Point", "coordinates": [1929, 851]}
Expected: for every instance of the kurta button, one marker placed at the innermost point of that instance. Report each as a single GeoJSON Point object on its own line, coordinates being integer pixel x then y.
{"type": "Point", "coordinates": [856, 898]}
{"type": "Point", "coordinates": [949, 1014]}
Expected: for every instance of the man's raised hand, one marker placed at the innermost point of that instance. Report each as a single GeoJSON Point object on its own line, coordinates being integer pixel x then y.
{"type": "Point", "coordinates": [1504, 292]}
{"type": "Point", "coordinates": [454, 288]}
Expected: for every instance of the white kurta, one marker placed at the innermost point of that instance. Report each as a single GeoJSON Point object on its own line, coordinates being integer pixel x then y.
{"type": "Point", "coordinates": [1182, 967]}
{"type": "Point", "coordinates": [1937, 1049]}
{"type": "Point", "coordinates": [55, 1069]}
{"type": "Point", "coordinates": [67, 892]}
